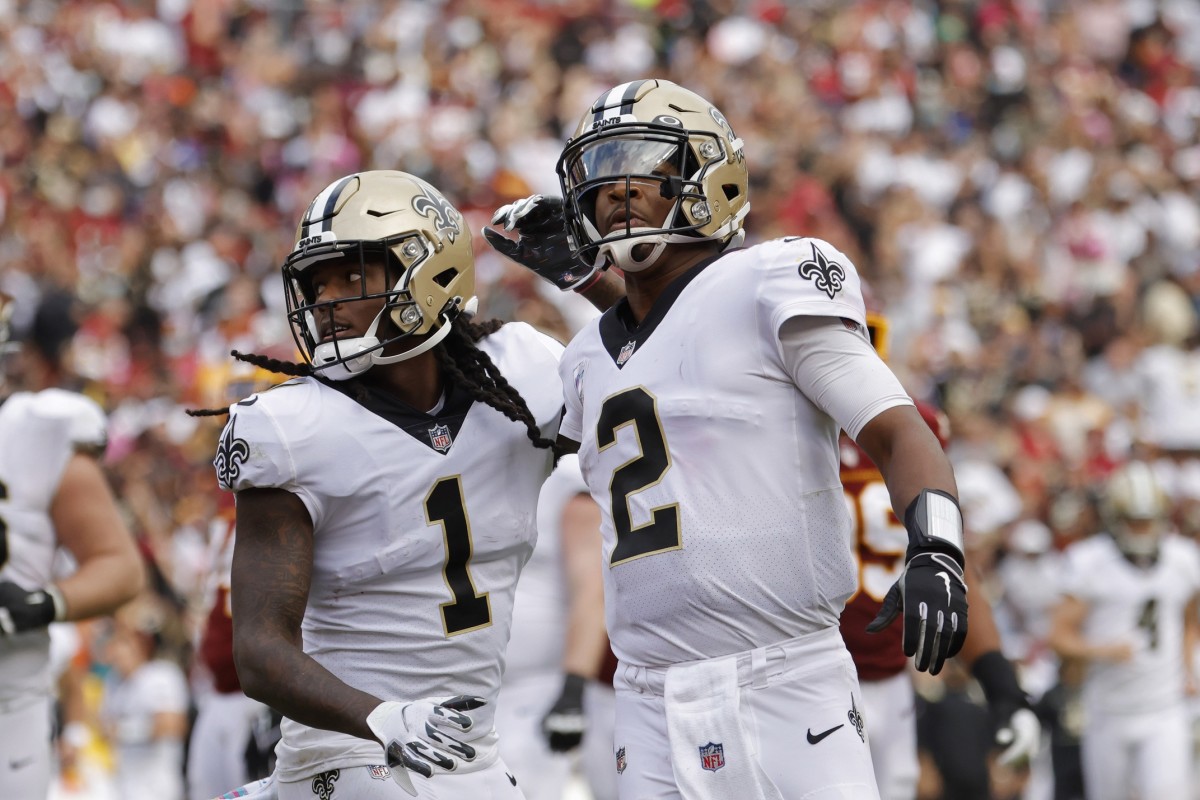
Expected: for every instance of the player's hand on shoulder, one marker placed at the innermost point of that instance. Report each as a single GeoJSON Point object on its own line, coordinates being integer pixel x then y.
{"type": "Point", "coordinates": [541, 244]}
{"type": "Point", "coordinates": [564, 725]}
{"type": "Point", "coordinates": [28, 609]}
{"type": "Point", "coordinates": [931, 593]}
{"type": "Point", "coordinates": [418, 735]}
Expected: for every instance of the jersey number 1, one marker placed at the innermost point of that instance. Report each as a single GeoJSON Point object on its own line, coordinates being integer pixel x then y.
{"type": "Point", "coordinates": [469, 610]}
{"type": "Point", "coordinates": [637, 407]}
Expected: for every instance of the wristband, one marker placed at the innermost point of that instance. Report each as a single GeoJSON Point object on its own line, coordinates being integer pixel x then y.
{"type": "Point", "coordinates": [573, 686]}
{"type": "Point", "coordinates": [997, 677]}
{"type": "Point", "coordinates": [934, 522]}
{"type": "Point", "coordinates": [60, 603]}
{"type": "Point", "coordinates": [76, 734]}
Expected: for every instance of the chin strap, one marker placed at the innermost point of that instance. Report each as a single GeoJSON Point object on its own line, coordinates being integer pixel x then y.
{"type": "Point", "coordinates": [339, 361]}
{"type": "Point", "coordinates": [619, 253]}
{"type": "Point", "coordinates": [441, 333]}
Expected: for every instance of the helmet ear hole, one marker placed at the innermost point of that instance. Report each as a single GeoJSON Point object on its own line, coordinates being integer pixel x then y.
{"type": "Point", "coordinates": [731, 190]}
{"type": "Point", "coordinates": [444, 277]}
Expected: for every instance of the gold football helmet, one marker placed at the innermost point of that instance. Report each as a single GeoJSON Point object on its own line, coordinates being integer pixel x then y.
{"type": "Point", "coordinates": [1136, 509]}
{"type": "Point", "coordinates": [629, 134]}
{"type": "Point", "coordinates": [430, 267]}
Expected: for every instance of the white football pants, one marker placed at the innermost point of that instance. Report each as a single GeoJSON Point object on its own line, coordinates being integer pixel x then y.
{"type": "Point", "coordinates": [25, 758]}
{"type": "Point", "coordinates": [217, 748]}
{"type": "Point", "coordinates": [800, 713]}
{"type": "Point", "coordinates": [493, 782]}
{"type": "Point", "coordinates": [542, 774]}
{"type": "Point", "coordinates": [1143, 755]}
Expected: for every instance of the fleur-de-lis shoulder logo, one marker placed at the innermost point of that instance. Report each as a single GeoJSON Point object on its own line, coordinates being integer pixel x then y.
{"type": "Point", "coordinates": [446, 218]}
{"type": "Point", "coordinates": [829, 276]}
{"type": "Point", "coordinates": [322, 785]}
{"type": "Point", "coordinates": [231, 454]}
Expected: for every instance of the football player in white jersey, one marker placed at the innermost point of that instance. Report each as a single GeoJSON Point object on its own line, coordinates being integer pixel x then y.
{"type": "Point", "coordinates": [551, 702]}
{"type": "Point", "coordinates": [1129, 612]}
{"type": "Point", "coordinates": [385, 502]}
{"type": "Point", "coordinates": [53, 494]}
{"type": "Point", "coordinates": [706, 407]}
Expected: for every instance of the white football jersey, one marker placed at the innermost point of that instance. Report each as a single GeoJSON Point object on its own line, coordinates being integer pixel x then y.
{"type": "Point", "coordinates": [421, 527]}
{"type": "Point", "coordinates": [1169, 394]}
{"type": "Point", "coordinates": [540, 611]}
{"type": "Point", "coordinates": [724, 523]}
{"type": "Point", "coordinates": [39, 432]}
{"type": "Point", "coordinates": [1145, 606]}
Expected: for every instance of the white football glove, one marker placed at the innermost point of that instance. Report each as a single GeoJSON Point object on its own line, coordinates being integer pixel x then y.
{"type": "Point", "coordinates": [1020, 738]}
{"type": "Point", "coordinates": [414, 735]}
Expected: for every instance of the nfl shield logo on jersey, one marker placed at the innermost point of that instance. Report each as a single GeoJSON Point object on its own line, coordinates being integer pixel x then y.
{"type": "Point", "coordinates": [380, 772]}
{"type": "Point", "coordinates": [625, 353]}
{"type": "Point", "coordinates": [712, 756]}
{"type": "Point", "coordinates": [439, 437]}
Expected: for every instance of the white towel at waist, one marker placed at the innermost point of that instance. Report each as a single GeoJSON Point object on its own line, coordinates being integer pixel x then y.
{"type": "Point", "coordinates": [713, 756]}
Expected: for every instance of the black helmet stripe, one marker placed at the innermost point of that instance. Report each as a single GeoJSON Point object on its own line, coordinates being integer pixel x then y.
{"type": "Point", "coordinates": [326, 201]}
{"type": "Point", "coordinates": [617, 101]}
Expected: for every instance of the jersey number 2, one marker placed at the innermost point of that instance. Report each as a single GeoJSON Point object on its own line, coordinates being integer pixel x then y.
{"type": "Point", "coordinates": [637, 407]}
{"type": "Point", "coordinates": [469, 610]}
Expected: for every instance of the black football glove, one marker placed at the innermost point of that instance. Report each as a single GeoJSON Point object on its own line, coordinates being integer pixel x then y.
{"type": "Point", "coordinates": [563, 726]}
{"type": "Point", "coordinates": [541, 244]}
{"type": "Point", "coordinates": [931, 592]}
{"type": "Point", "coordinates": [1016, 727]}
{"type": "Point", "coordinates": [24, 609]}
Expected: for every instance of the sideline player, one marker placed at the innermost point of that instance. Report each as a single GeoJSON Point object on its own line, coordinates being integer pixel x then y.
{"type": "Point", "coordinates": [1129, 613]}
{"type": "Point", "coordinates": [53, 493]}
{"type": "Point", "coordinates": [385, 502]}
{"type": "Point", "coordinates": [879, 543]}
{"type": "Point", "coordinates": [552, 705]}
{"type": "Point", "coordinates": [706, 407]}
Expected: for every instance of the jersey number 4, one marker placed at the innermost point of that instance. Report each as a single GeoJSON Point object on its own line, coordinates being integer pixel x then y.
{"type": "Point", "coordinates": [469, 610]}
{"type": "Point", "coordinates": [639, 408]}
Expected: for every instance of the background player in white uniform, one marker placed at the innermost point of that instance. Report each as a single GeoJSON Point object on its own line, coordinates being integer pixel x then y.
{"type": "Point", "coordinates": [1129, 612]}
{"type": "Point", "coordinates": [53, 494]}
{"type": "Point", "coordinates": [385, 502]}
{"type": "Point", "coordinates": [550, 701]}
{"type": "Point", "coordinates": [707, 406]}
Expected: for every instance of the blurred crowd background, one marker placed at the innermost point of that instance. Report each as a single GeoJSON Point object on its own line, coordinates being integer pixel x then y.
{"type": "Point", "coordinates": [1019, 181]}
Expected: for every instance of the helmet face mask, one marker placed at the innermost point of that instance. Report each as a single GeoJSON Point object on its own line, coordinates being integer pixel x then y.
{"type": "Point", "coordinates": [388, 221]}
{"type": "Point", "coordinates": [667, 141]}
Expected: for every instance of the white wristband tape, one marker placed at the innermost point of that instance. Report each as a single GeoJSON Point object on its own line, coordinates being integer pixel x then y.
{"type": "Point", "coordinates": [941, 520]}
{"type": "Point", "coordinates": [60, 602]}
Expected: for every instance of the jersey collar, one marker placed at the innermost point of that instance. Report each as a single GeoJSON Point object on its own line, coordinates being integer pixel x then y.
{"type": "Point", "coordinates": [436, 431]}
{"type": "Point", "coordinates": [621, 334]}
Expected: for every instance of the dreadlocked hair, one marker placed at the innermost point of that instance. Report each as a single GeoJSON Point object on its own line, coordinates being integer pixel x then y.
{"type": "Point", "coordinates": [473, 370]}
{"type": "Point", "coordinates": [264, 362]}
